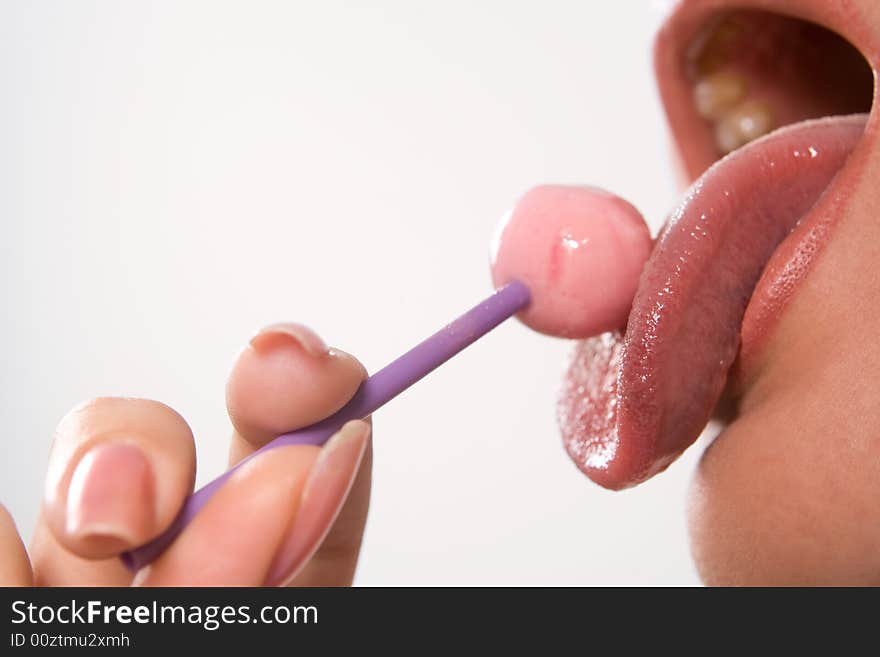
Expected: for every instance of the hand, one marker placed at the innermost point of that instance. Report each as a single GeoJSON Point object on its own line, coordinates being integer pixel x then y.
{"type": "Point", "coordinates": [119, 470]}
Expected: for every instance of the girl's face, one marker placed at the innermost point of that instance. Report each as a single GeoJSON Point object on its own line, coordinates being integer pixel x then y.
{"type": "Point", "coordinates": [788, 492]}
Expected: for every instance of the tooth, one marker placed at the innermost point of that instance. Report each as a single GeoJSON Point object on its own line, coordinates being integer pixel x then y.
{"type": "Point", "coordinates": [727, 137]}
{"type": "Point", "coordinates": [745, 122]}
{"type": "Point", "coordinates": [717, 93]}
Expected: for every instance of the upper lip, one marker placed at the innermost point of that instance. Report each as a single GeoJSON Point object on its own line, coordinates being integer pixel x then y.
{"type": "Point", "coordinates": [693, 137]}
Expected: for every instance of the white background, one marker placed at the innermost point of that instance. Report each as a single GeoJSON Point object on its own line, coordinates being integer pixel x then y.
{"type": "Point", "coordinates": [174, 175]}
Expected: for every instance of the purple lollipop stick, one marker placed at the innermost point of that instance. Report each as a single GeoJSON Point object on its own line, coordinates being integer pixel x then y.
{"type": "Point", "coordinates": [373, 393]}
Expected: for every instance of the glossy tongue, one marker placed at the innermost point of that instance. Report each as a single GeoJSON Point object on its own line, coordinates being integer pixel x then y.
{"type": "Point", "coordinates": [632, 402]}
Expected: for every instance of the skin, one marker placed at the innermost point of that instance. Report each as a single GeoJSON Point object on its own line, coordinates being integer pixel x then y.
{"type": "Point", "coordinates": [299, 511]}
{"type": "Point", "coordinates": [786, 494]}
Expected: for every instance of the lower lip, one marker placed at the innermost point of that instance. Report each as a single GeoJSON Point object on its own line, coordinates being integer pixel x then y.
{"type": "Point", "coordinates": [794, 258]}
{"type": "Point", "coordinates": [632, 403]}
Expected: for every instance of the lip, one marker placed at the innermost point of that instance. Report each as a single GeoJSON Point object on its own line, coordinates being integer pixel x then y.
{"type": "Point", "coordinates": [620, 423]}
{"type": "Point", "coordinates": [794, 257]}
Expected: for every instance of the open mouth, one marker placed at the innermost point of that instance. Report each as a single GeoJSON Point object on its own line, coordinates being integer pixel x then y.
{"type": "Point", "coordinates": [773, 112]}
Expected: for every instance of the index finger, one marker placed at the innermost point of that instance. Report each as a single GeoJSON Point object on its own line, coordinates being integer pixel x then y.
{"type": "Point", "coordinates": [285, 379]}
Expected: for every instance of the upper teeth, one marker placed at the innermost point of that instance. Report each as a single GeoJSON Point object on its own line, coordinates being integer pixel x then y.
{"type": "Point", "coordinates": [716, 93]}
{"type": "Point", "coordinates": [742, 124]}
{"type": "Point", "coordinates": [720, 97]}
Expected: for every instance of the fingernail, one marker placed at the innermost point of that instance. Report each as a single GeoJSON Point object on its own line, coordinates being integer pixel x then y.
{"type": "Point", "coordinates": [111, 495]}
{"type": "Point", "coordinates": [325, 493]}
{"type": "Point", "coordinates": [274, 335]}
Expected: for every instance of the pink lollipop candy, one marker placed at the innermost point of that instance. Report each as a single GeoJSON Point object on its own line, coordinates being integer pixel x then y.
{"type": "Point", "coordinates": [580, 251]}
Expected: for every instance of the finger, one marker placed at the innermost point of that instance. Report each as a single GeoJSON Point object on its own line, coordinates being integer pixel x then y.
{"type": "Point", "coordinates": [322, 547]}
{"type": "Point", "coordinates": [325, 540]}
{"type": "Point", "coordinates": [286, 378]}
{"type": "Point", "coordinates": [119, 470]}
{"type": "Point", "coordinates": [55, 565]}
{"type": "Point", "coordinates": [15, 568]}
{"type": "Point", "coordinates": [233, 539]}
